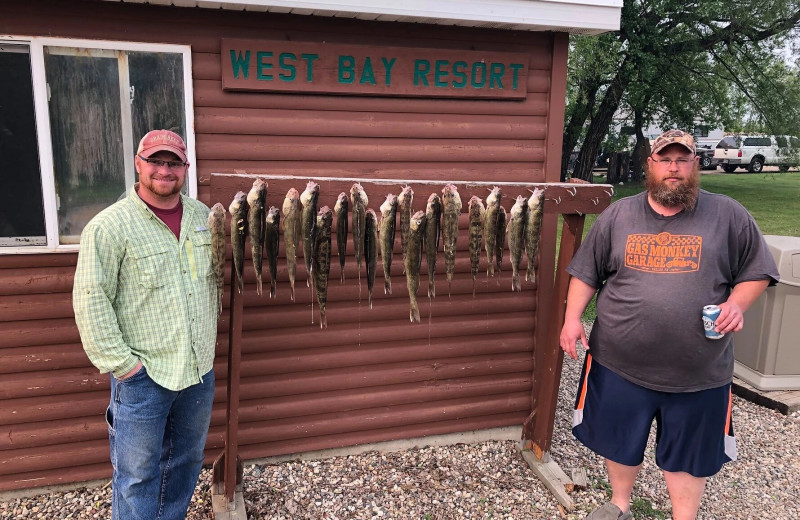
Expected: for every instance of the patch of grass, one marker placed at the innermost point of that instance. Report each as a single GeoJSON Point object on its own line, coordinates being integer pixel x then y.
{"type": "Point", "coordinates": [642, 508]}
{"type": "Point", "coordinates": [599, 483]}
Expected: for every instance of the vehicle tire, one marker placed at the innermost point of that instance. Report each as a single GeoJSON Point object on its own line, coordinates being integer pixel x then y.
{"type": "Point", "coordinates": [756, 165]}
{"type": "Point", "coordinates": [729, 168]}
{"type": "Point", "coordinates": [705, 162]}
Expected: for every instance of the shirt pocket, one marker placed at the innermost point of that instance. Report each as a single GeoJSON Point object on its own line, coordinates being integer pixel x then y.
{"type": "Point", "coordinates": [151, 261]}
{"type": "Point", "coordinates": [200, 253]}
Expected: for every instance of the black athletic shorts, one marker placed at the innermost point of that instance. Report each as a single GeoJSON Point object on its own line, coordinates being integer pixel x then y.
{"type": "Point", "coordinates": [613, 418]}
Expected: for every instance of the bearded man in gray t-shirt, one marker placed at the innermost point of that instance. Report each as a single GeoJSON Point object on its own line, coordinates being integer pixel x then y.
{"type": "Point", "coordinates": [655, 260]}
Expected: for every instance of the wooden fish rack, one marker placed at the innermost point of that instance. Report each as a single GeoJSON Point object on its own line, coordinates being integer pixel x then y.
{"type": "Point", "coordinates": [572, 201]}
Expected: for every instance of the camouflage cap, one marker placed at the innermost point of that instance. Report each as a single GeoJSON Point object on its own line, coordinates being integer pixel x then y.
{"type": "Point", "coordinates": [673, 137]}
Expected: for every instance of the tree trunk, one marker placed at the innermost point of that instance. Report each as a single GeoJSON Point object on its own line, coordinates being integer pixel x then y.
{"type": "Point", "coordinates": [638, 156]}
{"type": "Point", "coordinates": [600, 124]}
{"type": "Point", "coordinates": [613, 167]}
{"type": "Point", "coordinates": [584, 103]}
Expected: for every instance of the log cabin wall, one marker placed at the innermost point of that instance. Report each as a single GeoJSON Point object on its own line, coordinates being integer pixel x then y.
{"type": "Point", "coordinates": [371, 376]}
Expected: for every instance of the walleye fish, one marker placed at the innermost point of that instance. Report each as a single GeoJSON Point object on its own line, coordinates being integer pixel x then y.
{"type": "Point", "coordinates": [533, 230]}
{"type": "Point", "coordinates": [388, 214]}
{"type": "Point", "coordinates": [371, 249]}
{"type": "Point", "coordinates": [340, 209]}
{"type": "Point", "coordinates": [477, 214]}
{"type": "Point", "coordinates": [516, 239]}
{"type": "Point", "coordinates": [322, 260]}
{"type": "Point", "coordinates": [500, 242]}
{"type": "Point", "coordinates": [272, 243]}
{"type": "Point", "coordinates": [359, 199]}
{"type": "Point", "coordinates": [404, 201]}
{"type": "Point", "coordinates": [413, 260]}
{"type": "Point", "coordinates": [238, 211]}
{"type": "Point", "coordinates": [451, 209]}
{"type": "Point", "coordinates": [308, 226]}
{"type": "Point", "coordinates": [291, 233]}
{"type": "Point", "coordinates": [256, 202]}
{"type": "Point", "coordinates": [433, 228]}
{"type": "Point", "coordinates": [490, 226]}
{"type": "Point", "coordinates": [216, 224]}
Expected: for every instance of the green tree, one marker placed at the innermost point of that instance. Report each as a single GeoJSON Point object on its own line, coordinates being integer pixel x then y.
{"type": "Point", "coordinates": [680, 62]}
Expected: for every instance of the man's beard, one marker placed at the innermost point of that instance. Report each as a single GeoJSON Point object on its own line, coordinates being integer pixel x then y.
{"type": "Point", "coordinates": [683, 196]}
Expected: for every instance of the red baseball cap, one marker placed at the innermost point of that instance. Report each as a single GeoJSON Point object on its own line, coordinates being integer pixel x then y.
{"type": "Point", "coordinates": [162, 140]}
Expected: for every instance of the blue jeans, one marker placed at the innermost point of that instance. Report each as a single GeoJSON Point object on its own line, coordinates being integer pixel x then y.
{"type": "Point", "coordinates": [157, 437]}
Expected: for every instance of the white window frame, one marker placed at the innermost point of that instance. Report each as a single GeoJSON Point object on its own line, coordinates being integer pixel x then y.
{"type": "Point", "coordinates": [44, 139]}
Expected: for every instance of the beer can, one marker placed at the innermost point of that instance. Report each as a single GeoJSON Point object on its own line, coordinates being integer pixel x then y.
{"type": "Point", "coordinates": [710, 313]}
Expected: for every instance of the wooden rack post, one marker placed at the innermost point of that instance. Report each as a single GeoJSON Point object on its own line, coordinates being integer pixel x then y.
{"type": "Point", "coordinates": [227, 472]}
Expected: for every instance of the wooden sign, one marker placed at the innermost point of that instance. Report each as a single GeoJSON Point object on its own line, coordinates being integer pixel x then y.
{"type": "Point", "coordinates": [304, 67]}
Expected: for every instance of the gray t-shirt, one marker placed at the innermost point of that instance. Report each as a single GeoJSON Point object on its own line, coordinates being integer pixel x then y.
{"type": "Point", "coordinates": [655, 274]}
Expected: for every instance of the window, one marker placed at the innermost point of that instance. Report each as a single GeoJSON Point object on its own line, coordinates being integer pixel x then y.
{"type": "Point", "coordinates": [71, 116]}
{"type": "Point", "coordinates": [21, 207]}
{"type": "Point", "coordinates": [729, 142]}
{"type": "Point", "coordinates": [758, 141]}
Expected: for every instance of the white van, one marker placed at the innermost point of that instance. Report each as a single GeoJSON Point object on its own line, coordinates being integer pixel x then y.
{"type": "Point", "coordinates": [756, 151]}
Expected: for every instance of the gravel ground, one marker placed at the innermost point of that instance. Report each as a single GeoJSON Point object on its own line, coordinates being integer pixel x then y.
{"type": "Point", "coordinates": [482, 481]}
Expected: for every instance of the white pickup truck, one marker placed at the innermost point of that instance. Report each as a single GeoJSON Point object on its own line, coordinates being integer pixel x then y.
{"type": "Point", "coordinates": [756, 151]}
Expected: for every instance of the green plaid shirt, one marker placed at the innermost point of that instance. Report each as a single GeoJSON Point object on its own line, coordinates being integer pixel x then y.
{"type": "Point", "coordinates": [141, 295]}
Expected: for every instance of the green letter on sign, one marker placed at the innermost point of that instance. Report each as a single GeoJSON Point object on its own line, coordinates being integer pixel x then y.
{"type": "Point", "coordinates": [459, 69]}
{"type": "Point", "coordinates": [515, 67]}
{"type": "Point", "coordinates": [347, 65]}
{"type": "Point", "coordinates": [421, 70]}
{"type": "Point", "coordinates": [497, 71]}
{"type": "Point", "coordinates": [260, 55]}
{"type": "Point", "coordinates": [290, 69]}
{"type": "Point", "coordinates": [240, 64]}
{"type": "Point", "coordinates": [439, 74]}
{"type": "Point", "coordinates": [478, 68]}
{"type": "Point", "coordinates": [367, 74]}
{"type": "Point", "coordinates": [388, 64]}
{"type": "Point", "coordinates": [310, 65]}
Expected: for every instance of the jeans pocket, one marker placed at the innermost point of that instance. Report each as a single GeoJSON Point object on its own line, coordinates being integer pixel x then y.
{"type": "Point", "coordinates": [110, 420]}
{"type": "Point", "coordinates": [135, 377]}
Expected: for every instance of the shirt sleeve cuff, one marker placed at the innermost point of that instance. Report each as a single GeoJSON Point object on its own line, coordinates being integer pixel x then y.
{"type": "Point", "coordinates": [123, 370]}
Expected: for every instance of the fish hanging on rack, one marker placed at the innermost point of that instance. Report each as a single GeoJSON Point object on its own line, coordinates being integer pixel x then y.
{"type": "Point", "coordinates": [451, 209]}
{"type": "Point", "coordinates": [387, 227]}
{"type": "Point", "coordinates": [341, 208]}
{"type": "Point", "coordinates": [371, 249]}
{"type": "Point", "coordinates": [476, 219]}
{"type": "Point", "coordinates": [516, 239]}
{"type": "Point", "coordinates": [216, 225]}
{"type": "Point", "coordinates": [322, 261]}
{"type": "Point", "coordinates": [490, 226]}
{"type": "Point", "coordinates": [292, 214]}
{"type": "Point", "coordinates": [359, 199]}
{"type": "Point", "coordinates": [404, 201]}
{"type": "Point", "coordinates": [433, 229]}
{"type": "Point", "coordinates": [272, 244]}
{"type": "Point", "coordinates": [533, 230]}
{"type": "Point", "coordinates": [413, 260]}
{"type": "Point", "coordinates": [500, 243]}
{"type": "Point", "coordinates": [308, 226]}
{"type": "Point", "coordinates": [238, 211]}
{"type": "Point", "coordinates": [256, 213]}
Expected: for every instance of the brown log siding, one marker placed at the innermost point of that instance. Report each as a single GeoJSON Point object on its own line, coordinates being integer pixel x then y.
{"type": "Point", "coordinates": [369, 377]}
